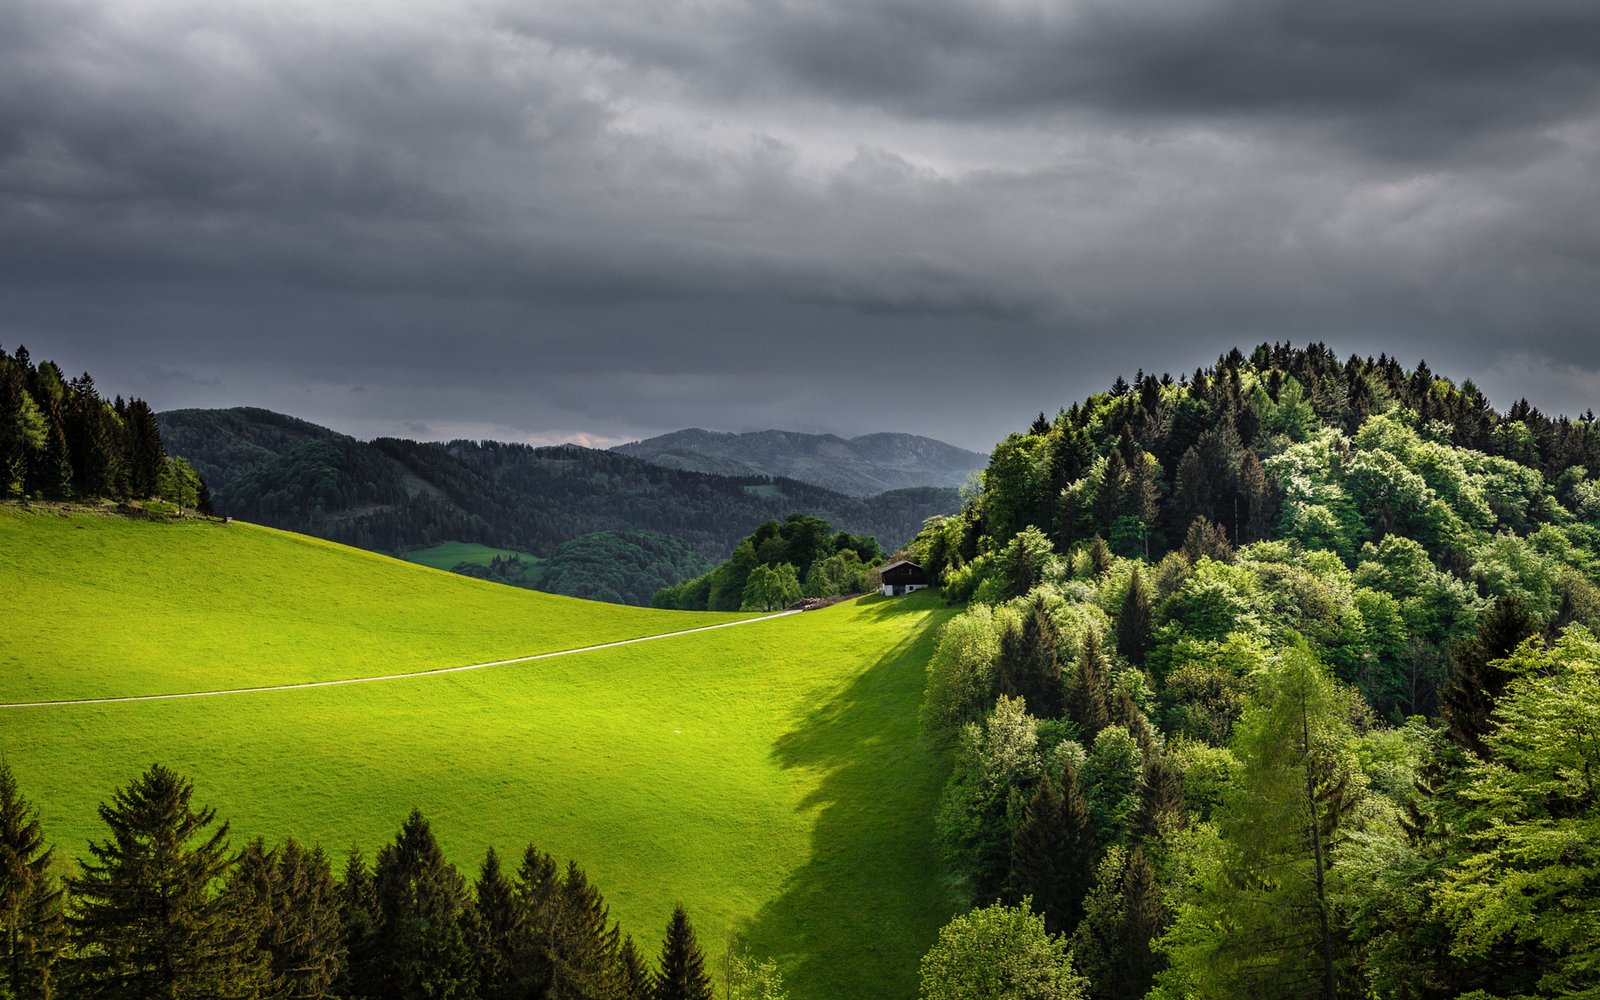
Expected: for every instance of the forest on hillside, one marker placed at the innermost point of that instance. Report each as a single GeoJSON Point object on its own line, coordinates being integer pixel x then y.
{"type": "Point", "coordinates": [1279, 678]}
{"type": "Point", "coordinates": [61, 440]}
{"type": "Point", "coordinates": [391, 495]}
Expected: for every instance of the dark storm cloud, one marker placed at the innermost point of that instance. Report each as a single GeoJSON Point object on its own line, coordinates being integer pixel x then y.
{"type": "Point", "coordinates": [610, 220]}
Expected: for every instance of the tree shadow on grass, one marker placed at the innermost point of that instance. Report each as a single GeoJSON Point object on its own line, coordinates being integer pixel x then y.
{"type": "Point", "coordinates": [856, 918]}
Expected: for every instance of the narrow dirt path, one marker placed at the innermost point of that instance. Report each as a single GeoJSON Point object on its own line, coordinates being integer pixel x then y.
{"type": "Point", "coordinates": [386, 677]}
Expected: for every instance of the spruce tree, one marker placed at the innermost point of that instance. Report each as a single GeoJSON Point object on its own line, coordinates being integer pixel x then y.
{"type": "Point", "coordinates": [146, 456]}
{"type": "Point", "coordinates": [1468, 696]}
{"type": "Point", "coordinates": [1161, 802]}
{"type": "Point", "coordinates": [538, 897]}
{"type": "Point", "coordinates": [358, 918]}
{"type": "Point", "coordinates": [682, 975]}
{"type": "Point", "coordinates": [147, 918]}
{"type": "Point", "coordinates": [635, 975]}
{"type": "Point", "coordinates": [586, 942]}
{"type": "Point", "coordinates": [1088, 703]}
{"type": "Point", "coordinates": [1052, 852]}
{"type": "Point", "coordinates": [289, 898]}
{"type": "Point", "coordinates": [420, 938]}
{"type": "Point", "coordinates": [497, 927]}
{"type": "Point", "coordinates": [1030, 666]}
{"type": "Point", "coordinates": [1133, 621]}
{"type": "Point", "coordinates": [1111, 946]}
{"type": "Point", "coordinates": [30, 901]}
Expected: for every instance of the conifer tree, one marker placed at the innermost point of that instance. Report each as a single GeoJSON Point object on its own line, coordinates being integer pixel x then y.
{"type": "Point", "coordinates": [146, 455]}
{"type": "Point", "coordinates": [538, 896]}
{"type": "Point", "coordinates": [1112, 945]}
{"type": "Point", "coordinates": [635, 975]}
{"type": "Point", "coordinates": [358, 918]}
{"type": "Point", "coordinates": [1469, 693]}
{"type": "Point", "coordinates": [1161, 802]}
{"type": "Point", "coordinates": [586, 943]}
{"type": "Point", "coordinates": [147, 918]}
{"type": "Point", "coordinates": [682, 975]}
{"type": "Point", "coordinates": [497, 926]}
{"type": "Point", "coordinates": [1133, 621]}
{"type": "Point", "coordinates": [421, 950]}
{"type": "Point", "coordinates": [1030, 666]}
{"type": "Point", "coordinates": [1052, 853]}
{"type": "Point", "coordinates": [289, 898]}
{"type": "Point", "coordinates": [30, 902]}
{"type": "Point", "coordinates": [1088, 703]}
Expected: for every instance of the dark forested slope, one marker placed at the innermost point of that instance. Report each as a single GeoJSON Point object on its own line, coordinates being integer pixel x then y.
{"type": "Point", "coordinates": [392, 494]}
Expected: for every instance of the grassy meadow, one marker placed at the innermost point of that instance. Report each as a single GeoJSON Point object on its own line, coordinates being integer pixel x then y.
{"type": "Point", "coordinates": [448, 555]}
{"type": "Point", "coordinates": [100, 606]}
{"type": "Point", "coordinates": [770, 777]}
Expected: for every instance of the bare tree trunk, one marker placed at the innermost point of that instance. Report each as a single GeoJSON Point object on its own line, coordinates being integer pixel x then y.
{"type": "Point", "coordinates": [1329, 991]}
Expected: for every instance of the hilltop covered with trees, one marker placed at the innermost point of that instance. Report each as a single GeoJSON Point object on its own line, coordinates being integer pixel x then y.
{"type": "Point", "coordinates": [777, 565]}
{"type": "Point", "coordinates": [61, 440]}
{"type": "Point", "coordinates": [1279, 678]}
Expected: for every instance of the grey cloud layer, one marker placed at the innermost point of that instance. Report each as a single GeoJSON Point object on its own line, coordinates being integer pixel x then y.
{"type": "Point", "coordinates": [934, 215]}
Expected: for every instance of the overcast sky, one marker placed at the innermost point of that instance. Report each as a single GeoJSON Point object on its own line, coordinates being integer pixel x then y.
{"type": "Point", "coordinates": [597, 220]}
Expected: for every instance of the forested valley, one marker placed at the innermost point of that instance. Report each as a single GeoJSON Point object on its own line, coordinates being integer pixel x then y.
{"type": "Point", "coordinates": [392, 495]}
{"type": "Point", "coordinates": [1277, 679]}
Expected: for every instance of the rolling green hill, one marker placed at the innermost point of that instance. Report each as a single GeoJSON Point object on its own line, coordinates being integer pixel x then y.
{"type": "Point", "coordinates": [769, 776]}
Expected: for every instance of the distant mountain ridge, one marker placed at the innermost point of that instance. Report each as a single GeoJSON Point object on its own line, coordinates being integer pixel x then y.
{"type": "Point", "coordinates": [859, 466]}
{"type": "Point", "coordinates": [393, 495]}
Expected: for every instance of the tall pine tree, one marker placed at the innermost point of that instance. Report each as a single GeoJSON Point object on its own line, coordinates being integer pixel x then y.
{"type": "Point", "coordinates": [1474, 684]}
{"type": "Point", "coordinates": [147, 917]}
{"type": "Point", "coordinates": [1052, 852]}
{"type": "Point", "coordinates": [682, 975]}
{"type": "Point", "coordinates": [420, 937]}
{"type": "Point", "coordinates": [31, 928]}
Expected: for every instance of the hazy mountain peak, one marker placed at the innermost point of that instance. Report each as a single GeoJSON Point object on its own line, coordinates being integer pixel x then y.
{"type": "Point", "coordinates": [870, 463]}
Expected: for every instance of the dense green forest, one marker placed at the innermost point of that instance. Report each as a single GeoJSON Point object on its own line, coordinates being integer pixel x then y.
{"type": "Point", "coordinates": [164, 907]}
{"type": "Point", "coordinates": [777, 565]}
{"type": "Point", "coordinates": [60, 440]}
{"type": "Point", "coordinates": [1278, 679]}
{"type": "Point", "coordinates": [393, 495]}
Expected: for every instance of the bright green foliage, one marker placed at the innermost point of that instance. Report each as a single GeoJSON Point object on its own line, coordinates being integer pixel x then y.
{"type": "Point", "coordinates": [1532, 877]}
{"type": "Point", "coordinates": [743, 976]}
{"type": "Point", "coordinates": [999, 953]}
{"type": "Point", "coordinates": [1257, 916]}
{"type": "Point", "coordinates": [147, 917]}
{"type": "Point", "coordinates": [805, 543]}
{"type": "Point", "coordinates": [770, 588]}
{"type": "Point", "coordinates": [961, 672]}
{"type": "Point", "coordinates": [973, 827]}
{"type": "Point", "coordinates": [682, 972]}
{"type": "Point", "coordinates": [1111, 783]}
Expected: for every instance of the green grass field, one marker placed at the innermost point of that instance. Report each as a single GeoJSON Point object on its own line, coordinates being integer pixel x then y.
{"type": "Point", "coordinates": [770, 776]}
{"type": "Point", "coordinates": [447, 555]}
{"type": "Point", "coordinates": [102, 606]}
